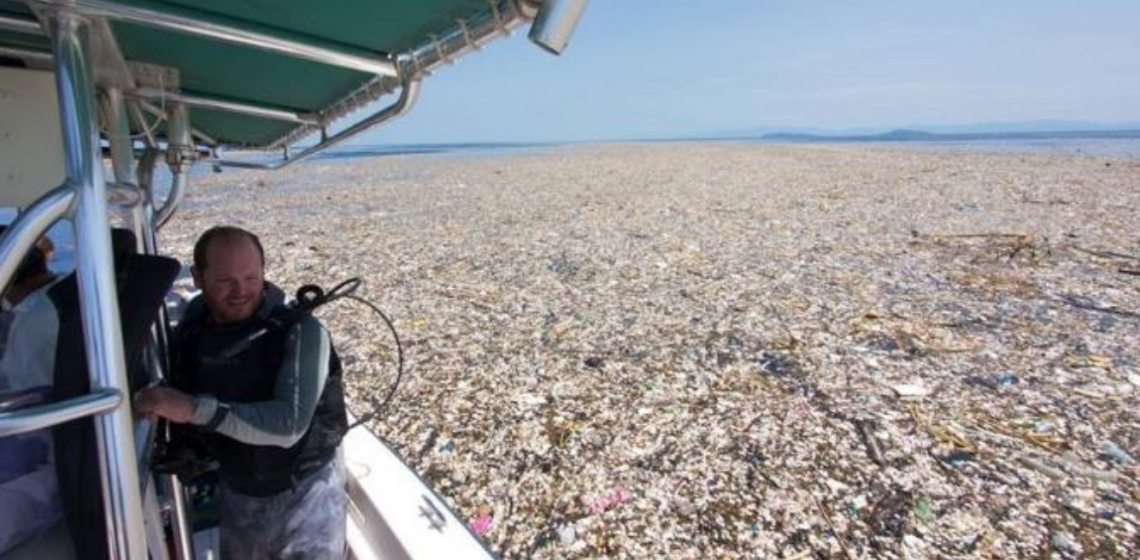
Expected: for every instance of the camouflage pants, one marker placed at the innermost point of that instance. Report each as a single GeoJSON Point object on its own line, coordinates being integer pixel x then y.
{"type": "Point", "coordinates": [305, 522]}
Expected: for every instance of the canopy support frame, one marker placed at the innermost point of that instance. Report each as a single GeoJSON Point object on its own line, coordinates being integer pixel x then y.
{"type": "Point", "coordinates": [102, 337]}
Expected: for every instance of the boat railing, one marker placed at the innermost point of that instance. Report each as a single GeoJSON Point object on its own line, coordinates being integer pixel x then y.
{"type": "Point", "coordinates": [83, 199]}
{"type": "Point", "coordinates": [53, 414]}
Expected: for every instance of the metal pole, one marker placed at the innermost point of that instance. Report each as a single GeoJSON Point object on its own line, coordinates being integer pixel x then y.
{"type": "Point", "coordinates": [142, 223]}
{"type": "Point", "coordinates": [26, 54]}
{"type": "Point", "coordinates": [180, 522]}
{"type": "Point", "coordinates": [119, 135]}
{"type": "Point", "coordinates": [180, 157]}
{"type": "Point", "coordinates": [123, 163]}
{"type": "Point", "coordinates": [103, 340]}
{"type": "Point", "coordinates": [155, 535]}
{"type": "Point", "coordinates": [141, 215]}
{"type": "Point", "coordinates": [20, 25]}
{"type": "Point", "coordinates": [225, 105]}
{"type": "Point", "coordinates": [145, 176]}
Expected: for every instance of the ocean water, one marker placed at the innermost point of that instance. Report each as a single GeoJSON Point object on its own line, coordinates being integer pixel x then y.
{"type": "Point", "coordinates": [460, 149]}
{"type": "Point", "coordinates": [466, 149]}
{"type": "Point", "coordinates": [366, 151]}
{"type": "Point", "coordinates": [1097, 147]}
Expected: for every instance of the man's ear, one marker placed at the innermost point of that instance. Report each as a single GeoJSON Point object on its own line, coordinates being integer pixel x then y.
{"type": "Point", "coordinates": [199, 282]}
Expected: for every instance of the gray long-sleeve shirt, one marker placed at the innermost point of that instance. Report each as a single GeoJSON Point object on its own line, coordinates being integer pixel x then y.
{"type": "Point", "coordinates": [282, 420]}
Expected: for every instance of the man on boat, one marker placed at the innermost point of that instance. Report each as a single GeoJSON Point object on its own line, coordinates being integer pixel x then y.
{"type": "Point", "coordinates": [272, 404]}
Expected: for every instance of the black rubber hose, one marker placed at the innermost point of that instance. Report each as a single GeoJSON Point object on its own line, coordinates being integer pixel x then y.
{"type": "Point", "coordinates": [376, 409]}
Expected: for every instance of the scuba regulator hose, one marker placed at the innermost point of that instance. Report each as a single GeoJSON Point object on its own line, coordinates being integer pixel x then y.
{"type": "Point", "coordinates": [378, 408]}
{"type": "Point", "coordinates": [309, 298]}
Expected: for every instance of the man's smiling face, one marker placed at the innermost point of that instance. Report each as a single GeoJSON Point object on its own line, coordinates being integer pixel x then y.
{"type": "Point", "coordinates": [232, 280]}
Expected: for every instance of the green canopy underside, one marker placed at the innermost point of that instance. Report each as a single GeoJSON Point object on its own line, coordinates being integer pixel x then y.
{"type": "Point", "coordinates": [245, 74]}
{"type": "Point", "coordinates": [17, 39]}
{"type": "Point", "coordinates": [264, 78]}
{"type": "Point", "coordinates": [24, 41]}
{"type": "Point", "coordinates": [12, 7]}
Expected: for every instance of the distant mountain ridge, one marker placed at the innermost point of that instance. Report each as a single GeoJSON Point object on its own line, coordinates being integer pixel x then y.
{"type": "Point", "coordinates": [1051, 127]}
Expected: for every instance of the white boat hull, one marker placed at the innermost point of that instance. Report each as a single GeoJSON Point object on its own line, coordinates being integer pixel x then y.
{"type": "Point", "coordinates": [394, 514]}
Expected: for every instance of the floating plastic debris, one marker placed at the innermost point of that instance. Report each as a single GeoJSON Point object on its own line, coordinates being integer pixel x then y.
{"type": "Point", "coordinates": [1065, 543]}
{"type": "Point", "coordinates": [797, 286]}
{"type": "Point", "coordinates": [910, 391]}
{"type": "Point", "coordinates": [567, 535]}
{"type": "Point", "coordinates": [617, 497]}
{"type": "Point", "coordinates": [1114, 452]}
{"type": "Point", "coordinates": [482, 524]}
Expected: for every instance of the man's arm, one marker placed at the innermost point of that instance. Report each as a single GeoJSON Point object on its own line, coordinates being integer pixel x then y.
{"type": "Point", "coordinates": [280, 421]}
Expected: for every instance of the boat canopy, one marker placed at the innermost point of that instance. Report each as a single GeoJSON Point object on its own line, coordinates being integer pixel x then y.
{"type": "Point", "coordinates": [84, 81]}
{"type": "Point", "coordinates": [258, 74]}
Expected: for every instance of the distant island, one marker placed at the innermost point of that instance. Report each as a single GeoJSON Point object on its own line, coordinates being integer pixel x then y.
{"type": "Point", "coordinates": [923, 136]}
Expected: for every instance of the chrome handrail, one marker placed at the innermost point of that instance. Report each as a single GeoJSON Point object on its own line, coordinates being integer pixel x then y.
{"type": "Point", "coordinates": [408, 96]}
{"type": "Point", "coordinates": [53, 414]}
{"type": "Point", "coordinates": [29, 226]}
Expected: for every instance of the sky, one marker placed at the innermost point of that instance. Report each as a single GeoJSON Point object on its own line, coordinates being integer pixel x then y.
{"type": "Point", "coordinates": [642, 69]}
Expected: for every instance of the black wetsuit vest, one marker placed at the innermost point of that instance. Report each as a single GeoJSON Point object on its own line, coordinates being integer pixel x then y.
{"type": "Point", "coordinates": [250, 376]}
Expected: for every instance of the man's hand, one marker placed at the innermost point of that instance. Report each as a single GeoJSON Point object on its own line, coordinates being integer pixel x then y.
{"type": "Point", "coordinates": [172, 404]}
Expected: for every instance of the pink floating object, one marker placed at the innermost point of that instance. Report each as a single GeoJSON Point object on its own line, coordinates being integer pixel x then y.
{"type": "Point", "coordinates": [614, 499]}
{"type": "Point", "coordinates": [482, 524]}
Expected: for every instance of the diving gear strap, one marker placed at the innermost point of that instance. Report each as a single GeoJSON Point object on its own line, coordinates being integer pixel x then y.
{"type": "Point", "coordinates": [309, 298]}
